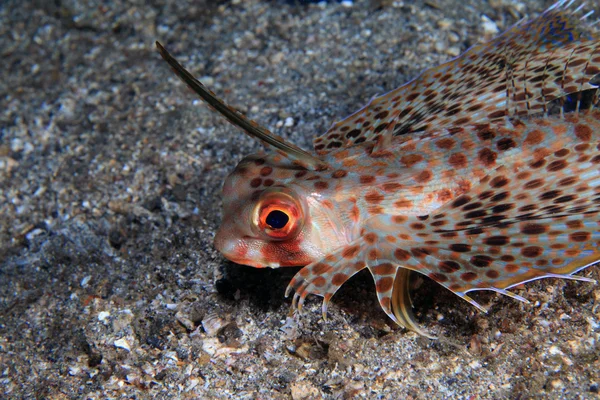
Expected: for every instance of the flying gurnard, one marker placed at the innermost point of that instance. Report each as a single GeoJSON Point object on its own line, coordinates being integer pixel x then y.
{"type": "Point", "coordinates": [482, 173]}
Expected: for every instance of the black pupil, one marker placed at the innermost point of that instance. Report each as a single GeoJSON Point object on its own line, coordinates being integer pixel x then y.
{"type": "Point", "coordinates": [277, 219]}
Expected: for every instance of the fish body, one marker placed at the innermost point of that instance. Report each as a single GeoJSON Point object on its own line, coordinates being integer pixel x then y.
{"type": "Point", "coordinates": [482, 174]}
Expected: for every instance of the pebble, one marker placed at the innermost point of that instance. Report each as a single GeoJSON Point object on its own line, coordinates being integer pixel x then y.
{"type": "Point", "coordinates": [489, 27]}
{"type": "Point", "coordinates": [122, 344]}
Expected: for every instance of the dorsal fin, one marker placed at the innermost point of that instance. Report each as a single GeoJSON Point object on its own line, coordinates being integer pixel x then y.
{"type": "Point", "coordinates": [516, 74]}
{"type": "Point", "coordinates": [269, 139]}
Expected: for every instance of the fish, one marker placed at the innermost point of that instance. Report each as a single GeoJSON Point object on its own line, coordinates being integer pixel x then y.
{"type": "Point", "coordinates": [482, 173]}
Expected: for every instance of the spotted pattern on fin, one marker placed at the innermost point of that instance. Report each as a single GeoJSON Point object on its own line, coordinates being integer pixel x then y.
{"type": "Point", "coordinates": [516, 74]}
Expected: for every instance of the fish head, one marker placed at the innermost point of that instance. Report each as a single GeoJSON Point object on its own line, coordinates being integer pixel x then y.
{"type": "Point", "coordinates": [270, 220]}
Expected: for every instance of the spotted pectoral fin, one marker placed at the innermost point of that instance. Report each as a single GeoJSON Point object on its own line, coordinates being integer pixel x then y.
{"type": "Point", "coordinates": [324, 277]}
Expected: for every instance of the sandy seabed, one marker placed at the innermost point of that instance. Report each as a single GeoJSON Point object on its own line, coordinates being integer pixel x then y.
{"type": "Point", "coordinates": [110, 176]}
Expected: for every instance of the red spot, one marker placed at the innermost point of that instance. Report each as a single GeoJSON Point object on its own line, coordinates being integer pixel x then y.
{"type": "Point", "coordinates": [384, 269]}
{"type": "Point", "coordinates": [399, 219]}
{"type": "Point", "coordinates": [370, 238]}
{"type": "Point", "coordinates": [383, 285]}
{"type": "Point", "coordinates": [339, 279]}
{"type": "Point", "coordinates": [319, 281]}
{"type": "Point", "coordinates": [256, 182]}
{"type": "Point", "coordinates": [321, 185]}
{"type": "Point", "coordinates": [411, 159]}
{"type": "Point", "coordinates": [350, 252]}
{"type": "Point", "coordinates": [424, 176]}
{"type": "Point", "coordinates": [264, 171]}
{"type": "Point", "coordinates": [445, 143]}
{"type": "Point", "coordinates": [366, 179]}
{"type": "Point", "coordinates": [391, 187]}
{"type": "Point", "coordinates": [403, 203]}
{"type": "Point", "coordinates": [340, 173]}
{"type": "Point", "coordinates": [534, 137]}
{"type": "Point", "coordinates": [321, 268]}
{"type": "Point", "coordinates": [583, 132]}
{"type": "Point", "coordinates": [374, 197]}
{"type": "Point", "coordinates": [401, 254]}
{"type": "Point", "coordinates": [468, 276]}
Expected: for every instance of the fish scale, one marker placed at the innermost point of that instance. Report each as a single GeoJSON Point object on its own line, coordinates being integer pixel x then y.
{"type": "Point", "coordinates": [482, 174]}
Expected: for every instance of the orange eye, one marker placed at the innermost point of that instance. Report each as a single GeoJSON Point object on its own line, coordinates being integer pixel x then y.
{"type": "Point", "coordinates": [279, 216]}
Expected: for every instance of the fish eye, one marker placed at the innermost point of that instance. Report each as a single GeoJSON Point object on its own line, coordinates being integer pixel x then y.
{"type": "Point", "coordinates": [278, 215]}
{"type": "Point", "coordinates": [277, 219]}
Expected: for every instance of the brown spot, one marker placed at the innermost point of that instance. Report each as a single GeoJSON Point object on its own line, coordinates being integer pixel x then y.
{"type": "Point", "coordinates": [532, 251]}
{"type": "Point", "coordinates": [417, 226]}
{"type": "Point", "coordinates": [403, 203]}
{"type": "Point", "coordinates": [533, 184]}
{"type": "Point", "coordinates": [259, 161]}
{"type": "Point", "coordinates": [460, 247]}
{"type": "Point", "coordinates": [391, 187]}
{"type": "Point", "coordinates": [449, 266]}
{"type": "Point", "coordinates": [256, 182]}
{"type": "Point", "coordinates": [556, 165]}
{"type": "Point", "coordinates": [534, 229]}
{"type": "Point", "coordinates": [568, 181]}
{"type": "Point", "coordinates": [534, 137]}
{"type": "Point", "coordinates": [340, 173]}
{"type": "Point", "coordinates": [484, 132]}
{"type": "Point", "coordinates": [399, 219]}
{"type": "Point", "coordinates": [468, 276]}
{"type": "Point", "coordinates": [383, 285]}
{"type": "Point", "coordinates": [424, 176]}
{"type": "Point", "coordinates": [353, 133]}
{"type": "Point", "coordinates": [321, 185]}
{"type": "Point", "coordinates": [374, 197]}
{"type": "Point", "coordinates": [492, 274]}
{"type": "Point", "coordinates": [419, 252]}
{"type": "Point", "coordinates": [562, 153]}
{"type": "Point", "coordinates": [497, 240]}
{"type": "Point", "coordinates": [319, 281]}
{"type": "Point", "coordinates": [300, 174]}
{"type": "Point", "coordinates": [481, 260]}
{"type": "Point", "coordinates": [511, 268]}
{"type": "Point", "coordinates": [487, 157]}
{"type": "Point", "coordinates": [411, 159]}
{"type": "Point", "coordinates": [351, 252]}
{"type": "Point", "coordinates": [445, 143]}
{"type": "Point", "coordinates": [499, 181]}
{"type": "Point", "coordinates": [383, 269]}
{"type": "Point", "coordinates": [575, 224]}
{"type": "Point", "coordinates": [382, 114]}
{"type": "Point", "coordinates": [580, 236]}
{"type": "Point", "coordinates": [321, 268]}
{"type": "Point", "coordinates": [505, 144]}
{"type": "Point", "coordinates": [458, 160]}
{"type": "Point", "coordinates": [538, 164]}
{"type": "Point", "coordinates": [339, 279]}
{"type": "Point", "coordinates": [461, 201]}
{"type": "Point", "coordinates": [523, 175]}
{"type": "Point", "coordinates": [264, 171]}
{"type": "Point", "coordinates": [370, 238]}
{"type": "Point", "coordinates": [401, 254]}
{"type": "Point", "coordinates": [374, 254]}
{"type": "Point", "coordinates": [269, 182]}
{"type": "Point", "coordinates": [583, 132]}
{"type": "Point", "coordinates": [366, 179]}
